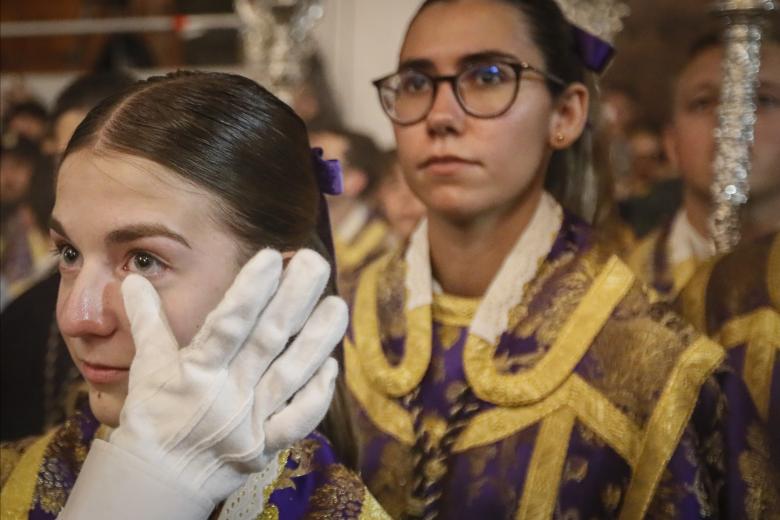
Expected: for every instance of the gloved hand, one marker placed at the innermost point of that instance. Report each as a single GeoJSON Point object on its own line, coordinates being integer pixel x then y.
{"type": "Point", "coordinates": [214, 411]}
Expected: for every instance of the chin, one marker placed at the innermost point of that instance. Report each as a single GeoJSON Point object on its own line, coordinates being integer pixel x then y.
{"type": "Point", "coordinates": [106, 406]}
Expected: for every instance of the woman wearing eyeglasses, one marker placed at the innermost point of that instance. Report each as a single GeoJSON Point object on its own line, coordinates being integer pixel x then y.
{"type": "Point", "coordinates": [503, 363]}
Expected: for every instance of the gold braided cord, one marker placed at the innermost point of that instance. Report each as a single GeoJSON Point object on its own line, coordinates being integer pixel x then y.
{"type": "Point", "coordinates": [577, 334]}
{"type": "Point", "coordinates": [397, 380]}
{"type": "Point", "coordinates": [668, 421]}
{"type": "Point", "coordinates": [546, 466]}
{"type": "Point", "coordinates": [759, 331]}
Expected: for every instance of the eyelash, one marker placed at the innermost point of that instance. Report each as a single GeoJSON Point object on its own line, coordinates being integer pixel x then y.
{"type": "Point", "coordinates": [59, 251]}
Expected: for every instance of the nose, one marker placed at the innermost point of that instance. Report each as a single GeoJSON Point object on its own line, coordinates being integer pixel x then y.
{"type": "Point", "coordinates": [88, 303]}
{"type": "Point", "coordinates": [446, 115]}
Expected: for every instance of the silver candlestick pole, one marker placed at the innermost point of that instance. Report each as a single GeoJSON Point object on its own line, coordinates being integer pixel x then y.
{"type": "Point", "coordinates": [277, 41]}
{"type": "Point", "coordinates": [736, 114]}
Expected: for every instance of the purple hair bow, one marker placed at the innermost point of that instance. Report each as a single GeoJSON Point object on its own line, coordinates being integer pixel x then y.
{"type": "Point", "coordinates": [595, 52]}
{"type": "Point", "coordinates": [328, 173]}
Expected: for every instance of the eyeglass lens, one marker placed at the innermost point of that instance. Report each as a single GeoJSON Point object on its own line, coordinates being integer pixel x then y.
{"type": "Point", "coordinates": [483, 90]}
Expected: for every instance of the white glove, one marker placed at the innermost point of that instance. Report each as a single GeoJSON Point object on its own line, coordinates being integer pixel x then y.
{"type": "Point", "coordinates": [213, 412]}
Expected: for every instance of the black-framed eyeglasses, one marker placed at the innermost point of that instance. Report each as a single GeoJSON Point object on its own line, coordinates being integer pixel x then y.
{"type": "Point", "coordinates": [483, 90]}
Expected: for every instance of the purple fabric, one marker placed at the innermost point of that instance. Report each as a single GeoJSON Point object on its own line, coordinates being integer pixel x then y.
{"type": "Point", "coordinates": [328, 173]}
{"type": "Point", "coordinates": [595, 52]}
{"type": "Point", "coordinates": [488, 481]}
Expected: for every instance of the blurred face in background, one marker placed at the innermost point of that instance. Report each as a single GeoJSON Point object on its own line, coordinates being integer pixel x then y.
{"type": "Point", "coordinates": [64, 127]}
{"type": "Point", "coordinates": [15, 175]}
{"type": "Point", "coordinates": [690, 143]}
{"type": "Point", "coordinates": [402, 209]}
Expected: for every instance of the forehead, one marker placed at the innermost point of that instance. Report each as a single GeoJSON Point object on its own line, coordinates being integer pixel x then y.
{"type": "Point", "coordinates": [119, 187]}
{"type": "Point", "coordinates": [447, 31]}
{"type": "Point", "coordinates": [705, 69]}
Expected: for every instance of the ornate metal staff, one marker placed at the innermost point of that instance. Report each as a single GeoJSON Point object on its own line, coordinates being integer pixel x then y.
{"type": "Point", "coordinates": [736, 114]}
{"type": "Point", "coordinates": [277, 40]}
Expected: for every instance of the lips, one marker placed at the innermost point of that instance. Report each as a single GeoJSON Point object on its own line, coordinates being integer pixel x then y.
{"type": "Point", "coordinates": [100, 374]}
{"type": "Point", "coordinates": [446, 164]}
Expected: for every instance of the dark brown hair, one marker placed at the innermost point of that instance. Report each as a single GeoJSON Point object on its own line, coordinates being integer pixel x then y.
{"type": "Point", "coordinates": [231, 137]}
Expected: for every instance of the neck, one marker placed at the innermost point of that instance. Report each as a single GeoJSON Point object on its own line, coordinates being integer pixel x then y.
{"type": "Point", "coordinates": [698, 211]}
{"type": "Point", "coordinates": [761, 216]}
{"type": "Point", "coordinates": [465, 256]}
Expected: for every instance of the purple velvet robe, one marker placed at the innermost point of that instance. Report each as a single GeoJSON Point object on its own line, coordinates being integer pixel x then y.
{"type": "Point", "coordinates": [594, 403]}
{"type": "Point", "coordinates": [313, 484]}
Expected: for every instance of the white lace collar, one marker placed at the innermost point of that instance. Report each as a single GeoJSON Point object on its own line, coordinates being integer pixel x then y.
{"type": "Point", "coordinates": [508, 286]}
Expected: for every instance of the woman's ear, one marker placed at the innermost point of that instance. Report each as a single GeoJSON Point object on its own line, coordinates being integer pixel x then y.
{"type": "Point", "coordinates": [569, 117]}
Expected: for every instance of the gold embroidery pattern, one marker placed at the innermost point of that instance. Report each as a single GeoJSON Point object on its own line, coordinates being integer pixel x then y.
{"type": "Point", "coordinates": [270, 511]}
{"type": "Point", "coordinates": [10, 455]}
{"type": "Point", "coordinates": [371, 509]}
{"type": "Point", "coordinates": [545, 469]}
{"type": "Point", "coordinates": [630, 353]}
{"type": "Point", "coordinates": [385, 413]}
{"type": "Point", "coordinates": [454, 310]}
{"type": "Point", "coordinates": [340, 497]}
{"type": "Point", "coordinates": [593, 310]}
{"type": "Point", "coordinates": [773, 272]}
{"type": "Point", "coordinates": [16, 497]}
{"type": "Point", "coordinates": [392, 482]}
{"type": "Point", "coordinates": [668, 421]}
{"type": "Point", "coordinates": [760, 332]}
{"type": "Point", "coordinates": [64, 456]}
{"type": "Point", "coordinates": [693, 299]}
{"type": "Point", "coordinates": [402, 378]}
{"type": "Point", "coordinates": [762, 500]}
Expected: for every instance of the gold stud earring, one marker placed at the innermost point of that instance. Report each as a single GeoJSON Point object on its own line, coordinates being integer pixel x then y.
{"type": "Point", "coordinates": [559, 137]}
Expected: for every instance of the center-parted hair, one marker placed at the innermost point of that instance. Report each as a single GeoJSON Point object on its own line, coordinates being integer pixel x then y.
{"type": "Point", "coordinates": [226, 134]}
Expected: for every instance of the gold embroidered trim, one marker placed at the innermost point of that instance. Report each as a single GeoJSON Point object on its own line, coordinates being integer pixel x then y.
{"type": "Point", "coordinates": [605, 419]}
{"type": "Point", "coordinates": [499, 423]}
{"type": "Point", "coordinates": [759, 331]}
{"type": "Point", "coordinates": [454, 310]}
{"type": "Point", "coordinates": [546, 467]}
{"type": "Point", "coordinates": [578, 332]}
{"type": "Point", "coordinates": [668, 421]}
{"type": "Point", "coordinates": [355, 253]}
{"type": "Point", "coordinates": [693, 298]}
{"type": "Point", "coordinates": [399, 380]}
{"type": "Point", "coordinates": [386, 414]}
{"type": "Point", "coordinates": [16, 497]}
{"type": "Point", "coordinates": [773, 272]}
{"type": "Point", "coordinates": [371, 510]}
{"type": "Point", "coordinates": [589, 405]}
{"type": "Point", "coordinates": [682, 273]}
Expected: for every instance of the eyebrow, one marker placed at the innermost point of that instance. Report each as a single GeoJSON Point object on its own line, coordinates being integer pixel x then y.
{"type": "Point", "coordinates": [426, 64]}
{"type": "Point", "coordinates": [129, 233]}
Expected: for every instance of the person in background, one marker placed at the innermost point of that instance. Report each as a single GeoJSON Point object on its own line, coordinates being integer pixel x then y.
{"type": "Point", "coordinates": [27, 119]}
{"type": "Point", "coordinates": [360, 234]}
{"type": "Point", "coordinates": [39, 384]}
{"type": "Point", "coordinates": [504, 363]}
{"type": "Point", "coordinates": [653, 192]}
{"type": "Point", "coordinates": [395, 201]}
{"type": "Point", "coordinates": [178, 204]}
{"type": "Point", "coordinates": [668, 257]}
{"type": "Point", "coordinates": [24, 246]}
{"type": "Point", "coordinates": [78, 98]}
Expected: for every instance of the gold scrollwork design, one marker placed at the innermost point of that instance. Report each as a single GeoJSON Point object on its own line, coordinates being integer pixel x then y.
{"type": "Point", "coordinates": [759, 331]}
{"type": "Point", "coordinates": [577, 334]}
{"type": "Point", "coordinates": [668, 421]}
{"type": "Point", "coordinates": [401, 379]}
